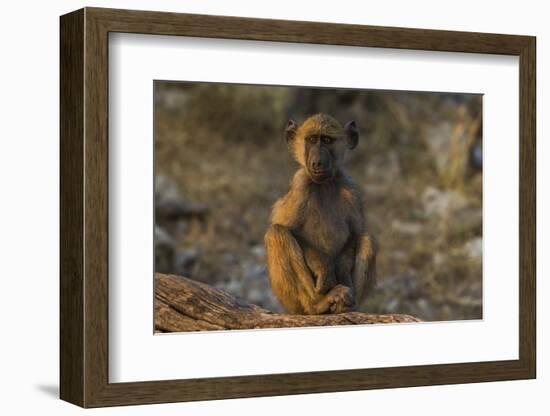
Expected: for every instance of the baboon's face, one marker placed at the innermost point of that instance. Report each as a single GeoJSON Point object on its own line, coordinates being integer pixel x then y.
{"type": "Point", "coordinates": [320, 144]}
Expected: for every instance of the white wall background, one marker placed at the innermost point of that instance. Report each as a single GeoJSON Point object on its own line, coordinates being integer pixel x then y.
{"type": "Point", "coordinates": [29, 225]}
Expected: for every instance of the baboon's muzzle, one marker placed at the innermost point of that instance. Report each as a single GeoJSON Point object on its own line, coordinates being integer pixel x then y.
{"type": "Point", "coordinates": [320, 164]}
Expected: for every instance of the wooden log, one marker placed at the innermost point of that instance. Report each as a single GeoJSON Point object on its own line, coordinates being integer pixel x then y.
{"type": "Point", "coordinates": [183, 304]}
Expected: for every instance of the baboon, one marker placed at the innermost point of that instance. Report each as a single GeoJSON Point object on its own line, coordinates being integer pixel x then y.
{"type": "Point", "coordinates": [320, 258]}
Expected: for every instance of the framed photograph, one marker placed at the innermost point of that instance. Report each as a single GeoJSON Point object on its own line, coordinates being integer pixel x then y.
{"type": "Point", "coordinates": [255, 207]}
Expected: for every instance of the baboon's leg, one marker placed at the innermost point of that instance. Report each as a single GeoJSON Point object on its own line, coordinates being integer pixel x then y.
{"type": "Point", "coordinates": [345, 262]}
{"type": "Point", "coordinates": [324, 271]}
{"type": "Point", "coordinates": [291, 280]}
{"type": "Point", "coordinates": [321, 267]}
{"type": "Point", "coordinates": [344, 269]}
{"type": "Point", "coordinates": [364, 268]}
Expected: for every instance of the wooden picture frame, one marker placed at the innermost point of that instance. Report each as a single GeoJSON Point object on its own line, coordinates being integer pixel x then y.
{"type": "Point", "coordinates": [84, 207]}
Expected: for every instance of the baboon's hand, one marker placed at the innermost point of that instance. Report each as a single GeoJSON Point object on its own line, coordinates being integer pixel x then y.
{"type": "Point", "coordinates": [341, 299]}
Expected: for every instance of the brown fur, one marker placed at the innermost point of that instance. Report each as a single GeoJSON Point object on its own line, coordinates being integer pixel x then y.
{"type": "Point", "coordinates": [320, 258]}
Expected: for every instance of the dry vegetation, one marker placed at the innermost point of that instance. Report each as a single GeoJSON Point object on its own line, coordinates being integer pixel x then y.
{"type": "Point", "coordinates": [418, 162]}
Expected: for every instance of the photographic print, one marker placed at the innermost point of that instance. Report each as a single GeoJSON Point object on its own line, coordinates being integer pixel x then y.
{"type": "Point", "coordinates": [281, 206]}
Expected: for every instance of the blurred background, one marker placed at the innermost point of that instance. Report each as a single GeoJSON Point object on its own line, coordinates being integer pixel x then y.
{"type": "Point", "coordinates": [221, 162]}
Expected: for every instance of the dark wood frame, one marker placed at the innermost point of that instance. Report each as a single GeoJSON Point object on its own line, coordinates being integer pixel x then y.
{"type": "Point", "coordinates": [84, 207]}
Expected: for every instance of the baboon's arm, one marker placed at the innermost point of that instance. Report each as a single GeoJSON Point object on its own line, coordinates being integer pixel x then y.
{"type": "Point", "coordinates": [364, 270]}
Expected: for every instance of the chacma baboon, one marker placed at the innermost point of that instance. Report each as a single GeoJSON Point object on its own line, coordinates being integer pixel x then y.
{"type": "Point", "coordinates": [320, 258]}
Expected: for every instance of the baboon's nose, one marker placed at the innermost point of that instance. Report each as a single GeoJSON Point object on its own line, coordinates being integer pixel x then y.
{"type": "Point", "coordinates": [318, 165]}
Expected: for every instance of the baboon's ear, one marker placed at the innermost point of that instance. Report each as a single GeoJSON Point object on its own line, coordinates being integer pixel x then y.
{"type": "Point", "coordinates": [352, 133]}
{"type": "Point", "coordinates": [290, 131]}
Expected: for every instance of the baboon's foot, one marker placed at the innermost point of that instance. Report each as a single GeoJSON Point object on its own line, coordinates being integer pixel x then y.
{"type": "Point", "coordinates": [341, 299]}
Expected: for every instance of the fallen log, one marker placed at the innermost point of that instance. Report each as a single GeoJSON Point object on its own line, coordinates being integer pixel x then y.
{"type": "Point", "coordinates": [183, 305]}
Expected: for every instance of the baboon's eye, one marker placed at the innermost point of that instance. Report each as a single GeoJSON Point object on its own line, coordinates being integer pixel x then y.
{"type": "Point", "coordinates": [327, 139]}
{"type": "Point", "coordinates": [312, 139]}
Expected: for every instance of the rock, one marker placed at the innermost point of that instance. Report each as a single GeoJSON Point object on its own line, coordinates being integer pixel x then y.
{"type": "Point", "coordinates": [474, 248]}
{"type": "Point", "coordinates": [469, 218]}
{"type": "Point", "coordinates": [405, 285]}
{"type": "Point", "coordinates": [384, 168]}
{"type": "Point", "coordinates": [234, 287]}
{"type": "Point", "coordinates": [408, 228]}
{"type": "Point", "coordinates": [165, 188]}
{"type": "Point", "coordinates": [422, 304]}
{"type": "Point", "coordinates": [170, 205]}
{"type": "Point", "coordinates": [164, 250]}
{"type": "Point", "coordinates": [173, 99]}
{"type": "Point", "coordinates": [169, 258]}
{"type": "Point", "coordinates": [255, 272]}
{"type": "Point", "coordinates": [255, 295]}
{"type": "Point", "coordinates": [442, 203]}
{"type": "Point", "coordinates": [476, 156]}
{"type": "Point", "coordinates": [392, 305]}
{"type": "Point", "coordinates": [259, 252]}
{"type": "Point", "coordinates": [185, 259]}
{"type": "Point", "coordinates": [230, 258]}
